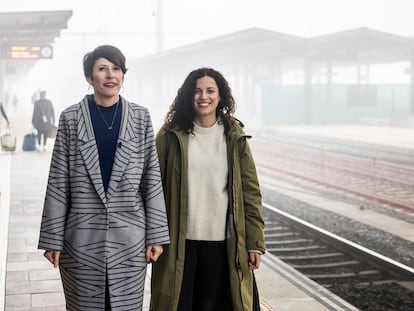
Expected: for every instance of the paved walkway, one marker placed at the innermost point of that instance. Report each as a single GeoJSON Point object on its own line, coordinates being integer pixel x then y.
{"type": "Point", "coordinates": [32, 284]}
{"type": "Point", "coordinates": [4, 219]}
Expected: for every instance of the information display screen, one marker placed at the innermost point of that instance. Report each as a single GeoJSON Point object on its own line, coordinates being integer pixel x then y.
{"type": "Point", "coordinates": [30, 51]}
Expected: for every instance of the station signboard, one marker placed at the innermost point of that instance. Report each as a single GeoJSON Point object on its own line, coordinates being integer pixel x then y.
{"type": "Point", "coordinates": [30, 51]}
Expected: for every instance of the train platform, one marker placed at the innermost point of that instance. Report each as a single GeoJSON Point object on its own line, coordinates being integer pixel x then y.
{"type": "Point", "coordinates": [401, 137]}
{"type": "Point", "coordinates": [397, 227]}
{"type": "Point", "coordinates": [398, 137]}
{"type": "Point", "coordinates": [31, 284]}
{"type": "Point", "coordinates": [28, 282]}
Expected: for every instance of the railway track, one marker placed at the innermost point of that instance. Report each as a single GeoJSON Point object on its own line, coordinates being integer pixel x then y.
{"type": "Point", "coordinates": [392, 154]}
{"type": "Point", "coordinates": [377, 180]}
{"type": "Point", "coordinates": [343, 267]}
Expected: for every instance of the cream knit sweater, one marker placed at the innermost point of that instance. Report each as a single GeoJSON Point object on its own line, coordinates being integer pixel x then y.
{"type": "Point", "coordinates": [207, 184]}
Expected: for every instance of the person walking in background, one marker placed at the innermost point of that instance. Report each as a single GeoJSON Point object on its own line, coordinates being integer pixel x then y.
{"type": "Point", "coordinates": [104, 215]}
{"type": "Point", "coordinates": [213, 202]}
{"type": "Point", "coordinates": [15, 102]}
{"type": "Point", "coordinates": [3, 113]}
{"type": "Point", "coordinates": [35, 96]}
{"type": "Point", "coordinates": [43, 118]}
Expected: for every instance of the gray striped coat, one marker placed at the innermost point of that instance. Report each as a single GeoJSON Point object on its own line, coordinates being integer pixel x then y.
{"type": "Point", "coordinates": [103, 235]}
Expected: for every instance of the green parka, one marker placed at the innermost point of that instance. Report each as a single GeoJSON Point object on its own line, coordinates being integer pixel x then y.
{"type": "Point", "coordinates": [245, 226]}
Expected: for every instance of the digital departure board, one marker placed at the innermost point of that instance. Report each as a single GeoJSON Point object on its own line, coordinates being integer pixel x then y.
{"type": "Point", "coordinates": [30, 51]}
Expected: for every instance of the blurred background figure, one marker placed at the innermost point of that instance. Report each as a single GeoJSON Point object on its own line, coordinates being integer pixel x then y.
{"type": "Point", "coordinates": [15, 101]}
{"type": "Point", "coordinates": [35, 96]}
{"type": "Point", "coordinates": [43, 118]}
{"type": "Point", "coordinates": [3, 113]}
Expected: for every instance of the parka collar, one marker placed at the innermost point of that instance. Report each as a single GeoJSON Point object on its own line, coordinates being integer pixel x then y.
{"type": "Point", "coordinates": [237, 130]}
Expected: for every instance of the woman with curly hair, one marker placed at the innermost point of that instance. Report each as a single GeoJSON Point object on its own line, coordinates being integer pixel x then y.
{"type": "Point", "coordinates": [213, 202]}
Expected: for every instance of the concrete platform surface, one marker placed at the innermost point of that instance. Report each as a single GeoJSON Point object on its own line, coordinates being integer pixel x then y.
{"type": "Point", "coordinates": [28, 281]}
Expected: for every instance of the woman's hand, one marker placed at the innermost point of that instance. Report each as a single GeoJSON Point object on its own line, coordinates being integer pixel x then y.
{"type": "Point", "coordinates": [254, 260]}
{"type": "Point", "coordinates": [53, 257]}
{"type": "Point", "coordinates": [153, 252]}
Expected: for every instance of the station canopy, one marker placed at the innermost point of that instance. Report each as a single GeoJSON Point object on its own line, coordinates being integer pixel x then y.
{"type": "Point", "coordinates": [361, 45]}
{"type": "Point", "coordinates": [30, 30]}
{"type": "Point", "coordinates": [355, 46]}
{"type": "Point", "coordinates": [26, 27]}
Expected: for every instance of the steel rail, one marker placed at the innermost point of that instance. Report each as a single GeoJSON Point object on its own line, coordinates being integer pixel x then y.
{"type": "Point", "coordinates": [393, 267]}
{"type": "Point", "coordinates": [338, 178]}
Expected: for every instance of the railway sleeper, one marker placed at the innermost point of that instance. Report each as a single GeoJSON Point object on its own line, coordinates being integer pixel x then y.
{"type": "Point", "coordinates": [274, 225]}
{"type": "Point", "coordinates": [314, 256]}
{"type": "Point", "coordinates": [324, 270]}
{"type": "Point", "coordinates": [386, 282]}
{"type": "Point", "coordinates": [341, 278]}
{"type": "Point", "coordinates": [289, 242]}
{"type": "Point", "coordinates": [280, 235]}
{"type": "Point", "coordinates": [278, 230]}
{"type": "Point", "coordinates": [298, 249]}
{"type": "Point", "coordinates": [341, 264]}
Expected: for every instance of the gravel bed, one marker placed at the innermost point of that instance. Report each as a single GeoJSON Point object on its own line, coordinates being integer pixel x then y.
{"type": "Point", "coordinates": [393, 297]}
{"type": "Point", "coordinates": [369, 297]}
{"type": "Point", "coordinates": [377, 240]}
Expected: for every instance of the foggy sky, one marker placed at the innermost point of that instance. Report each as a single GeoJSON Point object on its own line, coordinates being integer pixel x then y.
{"type": "Point", "coordinates": [132, 25]}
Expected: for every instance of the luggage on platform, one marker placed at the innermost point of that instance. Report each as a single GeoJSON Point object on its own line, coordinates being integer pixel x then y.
{"type": "Point", "coordinates": [51, 133]}
{"type": "Point", "coordinates": [29, 142]}
{"type": "Point", "coordinates": [8, 141]}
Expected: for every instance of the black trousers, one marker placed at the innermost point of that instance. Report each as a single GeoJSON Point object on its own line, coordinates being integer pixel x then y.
{"type": "Point", "coordinates": [107, 300]}
{"type": "Point", "coordinates": [41, 134]}
{"type": "Point", "coordinates": [205, 285]}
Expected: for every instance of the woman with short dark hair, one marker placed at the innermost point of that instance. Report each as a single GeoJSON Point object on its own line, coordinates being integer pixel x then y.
{"type": "Point", "coordinates": [104, 212]}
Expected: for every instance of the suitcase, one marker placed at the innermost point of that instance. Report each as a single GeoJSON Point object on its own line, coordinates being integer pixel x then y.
{"type": "Point", "coordinates": [29, 142]}
{"type": "Point", "coordinates": [8, 142]}
{"type": "Point", "coordinates": [51, 133]}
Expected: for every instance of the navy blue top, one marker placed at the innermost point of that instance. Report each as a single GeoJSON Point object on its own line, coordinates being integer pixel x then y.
{"type": "Point", "coordinates": [106, 140]}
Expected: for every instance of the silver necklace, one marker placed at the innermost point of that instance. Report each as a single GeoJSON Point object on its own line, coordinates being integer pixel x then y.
{"type": "Point", "coordinates": [109, 126]}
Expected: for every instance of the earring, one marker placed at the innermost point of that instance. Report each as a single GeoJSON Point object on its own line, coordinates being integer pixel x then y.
{"type": "Point", "coordinates": [89, 88]}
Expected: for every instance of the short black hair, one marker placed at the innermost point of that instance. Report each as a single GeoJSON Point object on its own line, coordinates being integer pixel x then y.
{"type": "Point", "coordinates": [109, 52]}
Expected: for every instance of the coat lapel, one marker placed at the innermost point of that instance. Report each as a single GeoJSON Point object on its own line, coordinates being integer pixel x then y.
{"type": "Point", "coordinates": [89, 149]}
{"type": "Point", "coordinates": [124, 147]}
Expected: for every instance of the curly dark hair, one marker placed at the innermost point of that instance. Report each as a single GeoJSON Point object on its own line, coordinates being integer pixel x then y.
{"type": "Point", "coordinates": [111, 53]}
{"type": "Point", "coordinates": [181, 113]}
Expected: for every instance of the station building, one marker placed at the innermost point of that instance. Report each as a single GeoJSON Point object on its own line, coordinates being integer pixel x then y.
{"type": "Point", "coordinates": [362, 76]}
